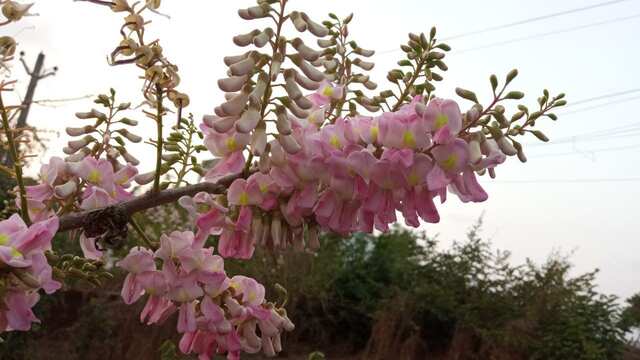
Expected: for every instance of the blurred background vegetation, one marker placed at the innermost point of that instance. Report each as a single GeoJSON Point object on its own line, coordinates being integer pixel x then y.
{"type": "Point", "coordinates": [388, 296]}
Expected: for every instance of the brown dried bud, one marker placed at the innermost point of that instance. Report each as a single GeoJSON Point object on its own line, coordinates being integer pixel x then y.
{"type": "Point", "coordinates": [7, 46]}
{"type": "Point", "coordinates": [14, 11]}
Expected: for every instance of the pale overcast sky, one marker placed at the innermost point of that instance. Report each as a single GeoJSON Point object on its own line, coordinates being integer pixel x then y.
{"type": "Point", "coordinates": [598, 221]}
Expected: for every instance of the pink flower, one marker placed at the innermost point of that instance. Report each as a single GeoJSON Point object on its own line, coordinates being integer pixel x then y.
{"type": "Point", "coordinates": [243, 193]}
{"type": "Point", "coordinates": [18, 310]}
{"type": "Point", "coordinates": [235, 240]}
{"type": "Point", "coordinates": [95, 172]}
{"type": "Point", "coordinates": [443, 119]}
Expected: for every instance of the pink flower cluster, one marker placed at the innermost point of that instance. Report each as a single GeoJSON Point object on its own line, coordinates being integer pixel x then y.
{"type": "Point", "coordinates": [347, 176]}
{"type": "Point", "coordinates": [87, 184]}
{"type": "Point", "coordinates": [216, 314]}
{"type": "Point", "coordinates": [22, 258]}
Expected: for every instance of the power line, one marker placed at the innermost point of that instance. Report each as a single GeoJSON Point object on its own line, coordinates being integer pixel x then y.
{"type": "Point", "coordinates": [565, 181]}
{"type": "Point", "coordinates": [601, 97]}
{"type": "Point", "coordinates": [550, 33]}
{"type": "Point", "coordinates": [562, 114]}
{"type": "Point", "coordinates": [533, 19]}
{"type": "Point", "coordinates": [525, 21]}
{"type": "Point", "coordinates": [588, 151]}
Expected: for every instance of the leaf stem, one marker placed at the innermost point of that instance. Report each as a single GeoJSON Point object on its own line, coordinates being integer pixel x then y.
{"type": "Point", "coordinates": [17, 165]}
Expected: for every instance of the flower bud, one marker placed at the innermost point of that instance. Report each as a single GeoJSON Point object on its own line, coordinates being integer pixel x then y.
{"type": "Point", "coordinates": [222, 125]}
{"type": "Point", "coordinates": [295, 109]}
{"type": "Point", "coordinates": [267, 346]}
{"type": "Point", "coordinates": [313, 27]}
{"type": "Point", "coordinates": [298, 22]}
{"type": "Point", "coordinates": [310, 71]}
{"type": "Point", "coordinates": [134, 22]}
{"type": "Point", "coordinates": [130, 158]}
{"type": "Point", "coordinates": [7, 46]}
{"type": "Point", "coordinates": [230, 60]}
{"type": "Point", "coordinates": [306, 52]}
{"type": "Point", "coordinates": [14, 11]}
{"type": "Point", "coordinates": [290, 84]}
{"type": "Point", "coordinates": [249, 120]}
{"type": "Point", "coordinates": [276, 63]}
{"type": "Point", "coordinates": [78, 156]}
{"type": "Point", "coordinates": [289, 144]}
{"type": "Point", "coordinates": [263, 37]}
{"type": "Point", "coordinates": [244, 67]}
{"type": "Point", "coordinates": [120, 6]}
{"type": "Point", "coordinates": [245, 39]}
{"type": "Point", "coordinates": [80, 131]}
{"type": "Point", "coordinates": [65, 190]}
{"type": "Point", "coordinates": [365, 65]}
{"type": "Point", "coordinates": [506, 146]}
{"type": "Point", "coordinates": [259, 140]}
{"type": "Point", "coordinates": [325, 43]}
{"type": "Point", "coordinates": [313, 241]}
{"type": "Point", "coordinates": [306, 82]}
{"type": "Point", "coordinates": [237, 103]}
{"type": "Point", "coordinates": [130, 136]}
{"type": "Point", "coordinates": [232, 84]}
{"type": "Point", "coordinates": [145, 178]}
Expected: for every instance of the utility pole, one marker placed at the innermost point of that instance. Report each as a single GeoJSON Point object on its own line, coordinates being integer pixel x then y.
{"type": "Point", "coordinates": [38, 73]}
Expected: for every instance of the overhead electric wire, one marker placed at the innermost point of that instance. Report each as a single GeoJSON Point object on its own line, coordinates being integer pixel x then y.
{"type": "Point", "coordinates": [533, 19]}
{"type": "Point", "coordinates": [586, 151]}
{"type": "Point", "coordinates": [602, 97]}
{"type": "Point", "coordinates": [581, 110]}
{"type": "Point", "coordinates": [564, 181]}
{"type": "Point", "coordinates": [525, 21]}
{"type": "Point", "coordinates": [550, 33]}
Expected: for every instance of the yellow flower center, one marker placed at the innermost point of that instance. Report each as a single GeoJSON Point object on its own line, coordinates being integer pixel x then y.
{"type": "Point", "coordinates": [374, 133]}
{"type": "Point", "coordinates": [231, 144]}
{"type": "Point", "coordinates": [244, 198]}
{"type": "Point", "coordinates": [95, 176]}
{"type": "Point", "coordinates": [15, 252]}
{"type": "Point", "coordinates": [408, 139]}
{"type": "Point", "coordinates": [263, 188]}
{"type": "Point", "coordinates": [252, 296]}
{"type": "Point", "coordinates": [413, 178]}
{"type": "Point", "coordinates": [441, 120]}
{"type": "Point", "coordinates": [450, 162]}
{"type": "Point", "coordinates": [4, 239]}
{"type": "Point", "coordinates": [335, 142]}
{"type": "Point", "coordinates": [327, 91]}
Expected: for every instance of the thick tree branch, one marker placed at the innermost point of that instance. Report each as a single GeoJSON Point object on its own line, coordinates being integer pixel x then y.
{"type": "Point", "coordinates": [147, 201]}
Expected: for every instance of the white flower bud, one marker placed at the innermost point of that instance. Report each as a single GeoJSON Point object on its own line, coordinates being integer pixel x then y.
{"type": "Point", "coordinates": [295, 109]}
{"type": "Point", "coordinates": [315, 28]}
{"type": "Point", "coordinates": [71, 131]}
{"type": "Point", "coordinates": [263, 37]}
{"type": "Point", "coordinates": [130, 158]}
{"type": "Point", "coordinates": [145, 178]}
{"type": "Point", "coordinates": [236, 104]}
{"type": "Point", "coordinates": [267, 346]}
{"type": "Point", "coordinates": [78, 156]}
{"type": "Point", "coordinates": [243, 67]}
{"type": "Point", "coordinates": [248, 121]}
{"type": "Point", "coordinates": [298, 22]}
{"type": "Point", "coordinates": [306, 52]}
{"type": "Point", "coordinates": [310, 71]}
{"type": "Point", "coordinates": [230, 60]}
{"type": "Point", "coordinates": [289, 144]}
{"type": "Point", "coordinates": [325, 43]}
{"type": "Point", "coordinates": [222, 125]}
{"type": "Point", "coordinates": [365, 65]}
{"type": "Point", "coordinates": [304, 103]}
{"type": "Point", "coordinates": [290, 84]}
{"type": "Point", "coordinates": [65, 190]}
{"type": "Point", "coordinates": [245, 39]}
{"type": "Point", "coordinates": [506, 146]}
{"type": "Point", "coordinates": [306, 82]}
{"type": "Point", "coordinates": [259, 140]}
{"type": "Point", "coordinates": [232, 84]}
{"type": "Point", "coordinates": [259, 11]}
{"type": "Point", "coordinates": [283, 124]}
